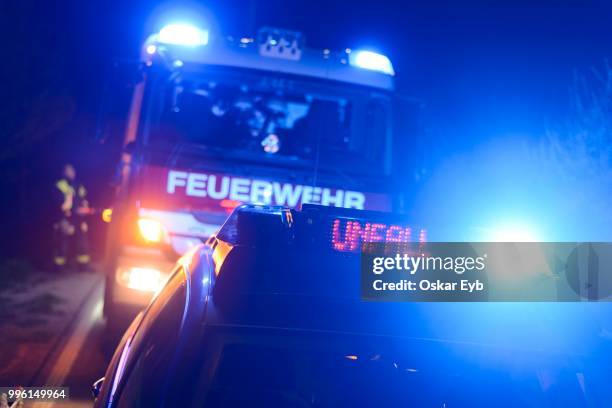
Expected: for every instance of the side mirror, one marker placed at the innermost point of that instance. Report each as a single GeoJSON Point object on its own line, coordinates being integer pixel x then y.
{"type": "Point", "coordinates": [96, 387]}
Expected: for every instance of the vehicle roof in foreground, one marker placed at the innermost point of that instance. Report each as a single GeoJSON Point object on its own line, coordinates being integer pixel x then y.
{"type": "Point", "coordinates": [284, 269]}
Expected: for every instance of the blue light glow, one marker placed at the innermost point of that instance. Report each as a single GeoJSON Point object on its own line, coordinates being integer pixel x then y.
{"type": "Point", "coordinates": [514, 231]}
{"type": "Point", "coordinates": [372, 61]}
{"type": "Point", "coordinates": [183, 34]}
{"type": "Point", "coordinates": [151, 49]}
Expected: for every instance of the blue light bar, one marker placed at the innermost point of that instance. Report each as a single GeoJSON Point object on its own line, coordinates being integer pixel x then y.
{"type": "Point", "coordinates": [372, 61]}
{"type": "Point", "coordinates": [183, 34]}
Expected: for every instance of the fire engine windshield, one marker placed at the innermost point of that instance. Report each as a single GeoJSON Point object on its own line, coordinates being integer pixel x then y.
{"type": "Point", "coordinates": [256, 116]}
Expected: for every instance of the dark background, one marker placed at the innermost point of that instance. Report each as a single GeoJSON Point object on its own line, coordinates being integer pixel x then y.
{"type": "Point", "coordinates": [491, 73]}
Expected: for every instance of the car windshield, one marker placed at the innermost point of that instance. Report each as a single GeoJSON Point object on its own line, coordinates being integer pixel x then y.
{"type": "Point", "coordinates": [260, 116]}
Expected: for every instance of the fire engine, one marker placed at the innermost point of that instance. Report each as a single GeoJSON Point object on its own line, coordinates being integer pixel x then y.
{"type": "Point", "coordinates": [216, 122]}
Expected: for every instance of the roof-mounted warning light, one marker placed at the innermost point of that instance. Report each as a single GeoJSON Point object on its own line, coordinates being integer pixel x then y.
{"type": "Point", "coordinates": [372, 61]}
{"type": "Point", "coordinates": [338, 229]}
{"type": "Point", "coordinates": [279, 43]}
{"type": "Point", "coordinates": [183, 34]}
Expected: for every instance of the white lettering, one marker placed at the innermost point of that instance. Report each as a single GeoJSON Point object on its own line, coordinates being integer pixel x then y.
{"type": "Point", "coordinates": [311, 195]}
{"type": "Point", "coordinates": [196, 185]}
{"type": "Point", "coordinates": [245, 190]}
{"type": "Point", "coordinates": [416, 264]}
{"type": "Point", "coordinates": [175, 179]}
{"type": "Point", "coordinates": [222, 192]}
{"type": "Point", "coordinates": [239, 189]}
{"type": "Point", "coordinates": [287, 194]}
{"type": "Point", "coordinates": [329, 199]}
{"type": "Point", "coordinates": [377, 284]}
{"type": "Point", "coordinates": [354, 199]}
{"type": "Point", "coordinates": [316, 195]}
{"type": "Point", "coordinates": [468, 286]}
{"type": "Point", "coordinates": [306, 195]}
{"type": "Point", "coordinates": [261, 192]}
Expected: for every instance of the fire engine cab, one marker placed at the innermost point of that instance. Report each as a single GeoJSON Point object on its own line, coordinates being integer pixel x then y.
{"type": "Point", "coordinates": [216, 122]}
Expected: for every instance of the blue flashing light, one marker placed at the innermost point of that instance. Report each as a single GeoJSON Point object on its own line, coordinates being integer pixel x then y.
{"type": "Point", "coordinates": [372, 61]}
{"type": "Point", "coordinates": [151, 49]}
{"type": "Point", "coordinates": [183, 34]}
{"type": "Point", "coordinates": [514, 232]}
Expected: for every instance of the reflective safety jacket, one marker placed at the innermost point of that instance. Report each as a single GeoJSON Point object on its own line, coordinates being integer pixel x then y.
{"type": "Point", "coordinates": [71, 195]}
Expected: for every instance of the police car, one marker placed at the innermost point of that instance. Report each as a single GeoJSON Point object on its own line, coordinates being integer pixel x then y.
{"type": "Point", "coordinates": [268, 313]}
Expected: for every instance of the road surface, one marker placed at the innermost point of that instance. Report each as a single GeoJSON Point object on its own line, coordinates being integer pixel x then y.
{"type": "Point", "coordinates": [79, 359]}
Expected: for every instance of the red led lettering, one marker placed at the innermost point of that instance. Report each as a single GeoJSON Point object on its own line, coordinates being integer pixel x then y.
{"type": "Point", "coordinates": [371, 233]}
{"type": "Point", "coordinates": [349, 241]}
{"type": "Point", "coordinates": [348, 236]}
{"type": "Point", "coordinates": [395, 233]}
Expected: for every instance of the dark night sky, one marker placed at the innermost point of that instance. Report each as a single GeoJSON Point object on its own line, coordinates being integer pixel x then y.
{"type": "Point", "coordinates": [485, 68]}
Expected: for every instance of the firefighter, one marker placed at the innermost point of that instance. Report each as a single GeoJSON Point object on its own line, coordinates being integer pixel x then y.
{"type": "Point", "coordinates": [70, 227]}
